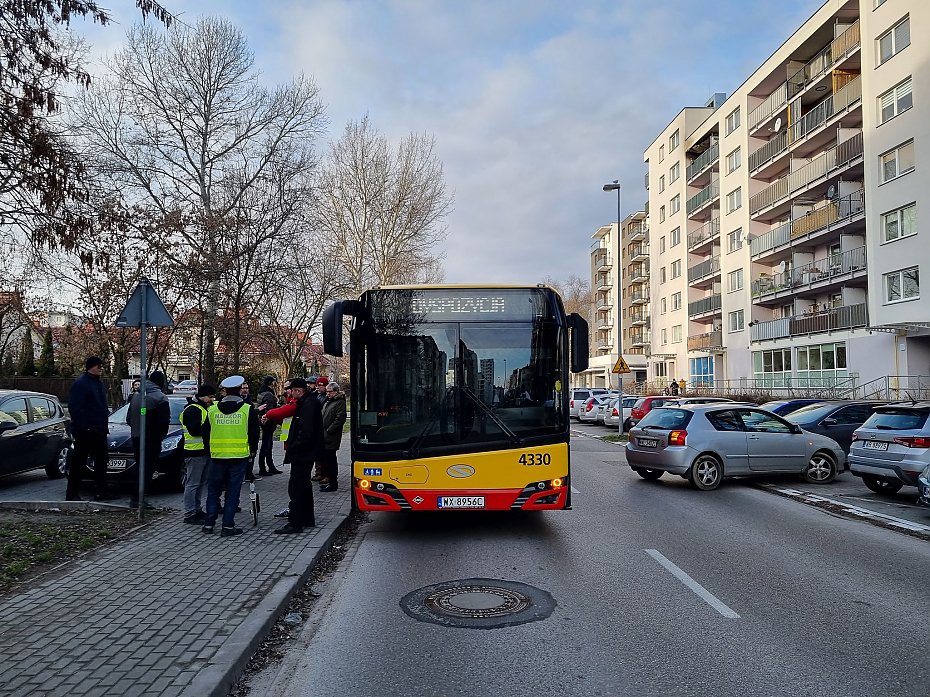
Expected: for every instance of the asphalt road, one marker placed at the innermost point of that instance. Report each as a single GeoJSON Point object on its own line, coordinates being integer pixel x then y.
{"type": "Point", "coordinates": [659, 590]}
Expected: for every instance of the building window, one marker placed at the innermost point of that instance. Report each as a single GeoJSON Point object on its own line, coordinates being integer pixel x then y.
{"type": "Point", "coordinates": [895, 101]}
{"type": "Point", "coordinates": [894, 40]}
{"type": "Point", "coordinates": [735, 200]}
{"type": "Point", "coordinates": [733, 161]}
{"type": "Point", "coordinates": [673, 141]}
{"type": "Point", "coordinates": [879, 3]}
{"type": "Point", "coordinates": [897, 162]}
{"type": "Point", "coordinates": [675, 268]}
{"type": "Point", "coordinates": [676, 334]}
{"type": "Point", "coordinates": [821, 365]}
{"type": "Point", "coordinates": [736, 321]}
{"type": "Point", "coordinates": [900, 223]}
{"type": "Point", "coordinates": [661, 153]}
{"type": "Point", "coordinates": [662, 275]}
{"type": "Point", "coordinates": [662, 244]}
{"type": "Point", "coordinates": [735, 281]}
{"type": "Point", "coordinates": [661, 183]}
{"type": "Point", "coordinates": [735, 240]}
{"type": "Point", "coordinates": [664, 337]}
{"type": "Point", "coordinates": [702, 371]}
{"type": "Point", "coordinates": [732, 121]}
{"type": "Point", "coordinates": [661, 214]}
{"type": "Point", "coordinates": [676, 301]}
{"type": "Point", "coordinates": [902, 285]}
{"type": "Point", "coordinates": [675, 236]}
{"type": "Point", "coordinates": [662, 306]}
{"type": "Point", "coordinates": [674, 172]}
{"type": "Point", "coordinates": [675, 204]}
{"type": "Point", "coordinates": [772, 368]}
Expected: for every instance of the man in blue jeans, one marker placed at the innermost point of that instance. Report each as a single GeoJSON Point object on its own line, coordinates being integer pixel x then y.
{"type": "Point", "coordinates": [233, 442]}
{"type": "Point", "coordinates": [196, 461]}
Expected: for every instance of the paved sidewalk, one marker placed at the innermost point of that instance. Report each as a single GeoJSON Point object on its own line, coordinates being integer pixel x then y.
{"type": "Point", "coordinates": [167, 611]}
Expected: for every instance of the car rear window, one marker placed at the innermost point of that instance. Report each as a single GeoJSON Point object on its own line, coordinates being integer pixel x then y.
{"type": "Point", "coordinates": [640, 403]}
{"type": "Point", "coordinates": [897, 420]}
{"type": "Point", "coordinates": [666, 418]}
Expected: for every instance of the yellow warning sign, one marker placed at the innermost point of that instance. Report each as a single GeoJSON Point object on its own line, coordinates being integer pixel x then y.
{"type": "Point", "coordinates": [621, 367]}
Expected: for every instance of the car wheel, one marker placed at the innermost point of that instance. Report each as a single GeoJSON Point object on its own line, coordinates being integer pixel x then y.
{"type": "Point", "coordinates": [882, 486]}
{"type": "Point", "coordinates": [627, 426]}
{"type": "Point", "coordinates": [821, 469]}
{"type": "Point", "coordinates": [55, 468]}
{"type": "Point", "coordinates": [706, 472]}
{"type": "Point", "coordinates": [649, 474]}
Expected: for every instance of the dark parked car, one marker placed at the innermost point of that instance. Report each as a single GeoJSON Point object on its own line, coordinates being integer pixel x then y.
{"type": "Point", "coordinates": [170, 465]}
{"type": "Point", "coordinates": [783, 407]}
{"type": "Point", "coordinates": [835, 419]}
{"type": "Point", "coordinates": [33, 433]}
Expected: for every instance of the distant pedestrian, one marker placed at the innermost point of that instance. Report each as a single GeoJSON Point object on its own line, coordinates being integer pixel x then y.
{"type": "Point", "coordinates": [267, 400]}
{"type": "Point", "coordinates": [681, 386]}
{"type": "Point", "coordinates": [304, 447]}
{"type": "Point", "coordinates": [320, 387]}
{"type": "Point", "coordinates": [196, 448]}
{"type": "Point", "coordinates": [233, 441]}
{"type": "Point", "coordinates": [87, 406]}
{"type": "Point", "coordinates": [334, 418]}
{"type": "Point", "coordinates": [157, 422]}
{"type": "Point", "coordinates": [136, 386]}
{"type": "Point", "coordinates": [321, 383]}
{"type": "Point", "coordinates": [673, 388]}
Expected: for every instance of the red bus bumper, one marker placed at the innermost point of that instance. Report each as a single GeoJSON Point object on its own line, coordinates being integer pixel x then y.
{"type": "Point", "coordinates": [390, 498]}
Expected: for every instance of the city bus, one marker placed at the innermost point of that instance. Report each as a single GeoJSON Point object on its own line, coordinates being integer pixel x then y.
{"type": "Point", "coordinates": [459, 396]}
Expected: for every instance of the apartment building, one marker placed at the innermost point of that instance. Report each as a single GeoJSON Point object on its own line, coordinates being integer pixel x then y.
{"type": "Point", "coordinates": [605, 272]}
{"type": "Point", "coordinates": [786, 244]}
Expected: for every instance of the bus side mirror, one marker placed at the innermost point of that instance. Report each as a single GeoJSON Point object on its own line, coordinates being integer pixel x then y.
{"type": "Point", "coordinates": [332, 324]}
{"type": "Point", "coordinates": [579, 343]}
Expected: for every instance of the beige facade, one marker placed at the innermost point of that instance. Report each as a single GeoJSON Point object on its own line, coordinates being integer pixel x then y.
{"type": "Point", "coordinates": [786, 244]}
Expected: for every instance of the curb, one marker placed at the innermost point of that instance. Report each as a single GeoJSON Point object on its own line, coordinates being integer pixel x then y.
{"type": "Point", "coordinates": [226, 666]}
{"type": "Point", "coordinates": [65, 506]}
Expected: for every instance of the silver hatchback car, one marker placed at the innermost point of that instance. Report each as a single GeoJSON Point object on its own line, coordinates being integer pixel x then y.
{"type": "Point", "coordinates": [706, 442]}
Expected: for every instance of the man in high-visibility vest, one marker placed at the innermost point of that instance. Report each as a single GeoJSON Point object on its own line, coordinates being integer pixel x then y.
{"type": "Point", "coordinates": [233, 442]}
{"type": "Point", "coordinates": [196, 460]}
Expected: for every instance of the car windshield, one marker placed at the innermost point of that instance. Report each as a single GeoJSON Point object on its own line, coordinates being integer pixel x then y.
{"type": "Point", "coordinates": [812, 412]}
{"type": "Point", "coordinates": [666, 418]}
{"type": "Point", "coordinates": [177, 406]}
{"type": "Point", "coordinates": [639, 403]}
{"type": "Point", "coordinates": [897, 420]}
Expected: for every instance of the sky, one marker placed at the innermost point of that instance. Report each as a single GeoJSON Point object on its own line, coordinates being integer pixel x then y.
{"type": "Point", "coordinates": [534, 104]}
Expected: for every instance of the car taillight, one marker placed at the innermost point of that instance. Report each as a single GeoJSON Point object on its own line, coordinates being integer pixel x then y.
{"type": "Point", "coordinates": [571, 403]}
{"type": "Point", "coordinates": [613, 412]}
{"type": "Point", "coordinates": [913, 441]}
{"type": "Point", "coordinates": [589, 407]}
{"type": "Point", "coordinates": [677, 437]}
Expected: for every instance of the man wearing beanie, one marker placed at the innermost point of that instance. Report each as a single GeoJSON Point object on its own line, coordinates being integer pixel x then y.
{"type": "Point", "coordinates": [87, 406]}
{"type": "Point", "coordinates": [196, 445]}
{"type": "Point", "coordinates": [304, 446]}
{"type": "Point", "coordinates": [266, 401]}
{"type": "Point", "coordinates": [157, 422]}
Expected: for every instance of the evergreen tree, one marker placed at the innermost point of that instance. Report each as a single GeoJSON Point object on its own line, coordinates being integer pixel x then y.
{"type": "Point", "coordinates": [27, 359]}
{"type": "Point", "coordinates": [47, 357]}
{"type": "Point", "coordinates": [7, 367]}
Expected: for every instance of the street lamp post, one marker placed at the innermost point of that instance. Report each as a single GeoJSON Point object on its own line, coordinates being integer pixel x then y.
{"type": "Point", "coordinates": [615, 186]}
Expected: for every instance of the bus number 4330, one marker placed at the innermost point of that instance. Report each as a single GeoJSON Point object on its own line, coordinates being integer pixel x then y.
{"type": "Point", "coordinates": [535, 459]}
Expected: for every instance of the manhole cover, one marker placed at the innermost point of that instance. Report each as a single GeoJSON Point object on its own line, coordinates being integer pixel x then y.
{"type": "Point", "coordinates": [478, 603]}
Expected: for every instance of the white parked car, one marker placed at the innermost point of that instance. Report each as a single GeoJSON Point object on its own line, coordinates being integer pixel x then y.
{"type": "Point", "coordinates": [186, 387]}
{"type": "Point", "coordinates": [612, 416]}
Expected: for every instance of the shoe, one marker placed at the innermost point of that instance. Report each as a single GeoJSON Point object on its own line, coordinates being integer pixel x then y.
{"type": "Point", "coordinates": [263, 472]}
{"type": "Point", "coordinates": [229, 532]}
{"type": "Point", "coordinates": [329, 487]}
{"type": "Point", "coordinates": [195, 519]}
{"type": "Point", "coordinates": [208, 529]}
{"type": "Point", "coordinates": [274, 470]}
{"type": "Point", "coordinates": [284, 513]}
{"type": "Point", "coordinates": [288, 530]}
{"type": "Point", "coordinates": [257, 478]}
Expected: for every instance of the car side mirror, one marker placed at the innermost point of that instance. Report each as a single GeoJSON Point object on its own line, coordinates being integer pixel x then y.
{"type": "Point", "coordinates": [829, 421]}
{"type": "Point", "coordinates": [796, 429]}
{"type": "Point", "coordinates": [7, 426]}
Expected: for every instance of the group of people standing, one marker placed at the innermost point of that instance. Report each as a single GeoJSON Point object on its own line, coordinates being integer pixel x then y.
{"type": "Point", "coordinates": [221, 440]}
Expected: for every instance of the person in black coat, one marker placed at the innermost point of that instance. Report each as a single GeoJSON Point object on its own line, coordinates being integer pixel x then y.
{"type": "Point", "coordinates": [304, 447]}
{"type": "Point", "coordinates": [87, 407]}
{"type": "Point", "coordinates": [157, 422]}
{"type": "Point", "coordinates": [267, 400]}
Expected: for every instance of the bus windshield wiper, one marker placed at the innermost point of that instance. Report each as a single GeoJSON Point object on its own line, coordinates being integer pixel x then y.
{"type": "Point", "coordinates": [414, 448]}
{"type": "Point", "coordinates": [494, 417]}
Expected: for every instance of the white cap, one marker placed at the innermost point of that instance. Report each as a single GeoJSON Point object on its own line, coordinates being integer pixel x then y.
{"type": "Point", "coordinates": [232, 382]}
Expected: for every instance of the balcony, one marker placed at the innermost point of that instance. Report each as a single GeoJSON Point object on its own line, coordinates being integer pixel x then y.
{"type": "Point", "coordinates": [639, 253]}
{"type": "Point", "coordinates": [638, 319]}
{"type": "Point", "coordinates": [637, 233]}
{"type": "Point", "coordinates": [836, 103]}
{"type": "Point", "coordinates": [603, 283]}
{"type": "Point", "coordinates": [639, 339]}
{"type": "Point", "coordinates": [639, 275]}
{"type": "Point", "coordinates": [834, 212]}
{"type": "Point", "coordinates": [704, 305]}
{"type": "Point", "coordinates": [708, 232]}
{"type": "Point", "coordinates": [705, 270]}
{"type": "Point", "coordinates": [705, 160]}
{"type": "Point", "coordinates": [708, 194]}
{"type": "Point", "coordinates": [602, 262]}
{"type": "Point", "coordinates": [819, 272]}
{"type": "Point", "coordinates": [768, 152]}
{"type": "Point", "coordinates": [639, 297]}
{"type": "Point", "coordinates": [709, 341]}
{"type": "Point", "coordinates": [844, 317]}
{"type": "Point", "coordinates": [604, 304]}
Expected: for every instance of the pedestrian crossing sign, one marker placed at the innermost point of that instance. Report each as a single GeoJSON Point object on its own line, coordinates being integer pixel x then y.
{"type": "Point", "coordinates": [621, 367]}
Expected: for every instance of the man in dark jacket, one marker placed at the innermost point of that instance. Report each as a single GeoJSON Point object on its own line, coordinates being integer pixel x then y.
{"type": "Point", "coordinates": [196, 460]}
{"type": "Point", "coordinates": [87, 406]}
{"type": "Point", "coordinates": [334, 417]}
{"type": "Point", "coordinates": [304, 447]}
{"type": "Point", "coordinates": [157, 422]}
{"type": "Point", "coordinates": [267, 399]}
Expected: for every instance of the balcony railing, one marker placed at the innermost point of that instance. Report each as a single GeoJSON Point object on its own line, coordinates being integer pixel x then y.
{"type": "Point", "coordinates": [638, 317]}
{"type": "Point", "coordinates": [703, 161]}
{"type": "Point", "coordinates": [772, 103]}
{"type": "Point", "coordinates": [639, 297]}
{"type": "Point", "coordinates": [710, 340]}
{"type": "Point", "coordinates": [811, 273]}
{"type": "Point", "coordinates": [835, 103]}
{"type": "Point", "coordinates": [637, 233]}
{"type": "Point", "coordinates": [769, 151]}
{"type": "Point", "coordinates": [705, 268]}
{"type": "Point", "coordinates": [601, 261]}
{"type": "Point", "coordinates": [843, 317]}
{"type": "Point", "coordinates": [639, 338]}
{"type": "Point", "coordinates": [708, 304]}
{"type": "Point", "coordinates": [707, 231]}
{"type": "Point", "coordinates": [638, 252]}
{"type": "Point", "coordinates": [708, 193]}
{"type": "Point", "coordinates": [833, 212]}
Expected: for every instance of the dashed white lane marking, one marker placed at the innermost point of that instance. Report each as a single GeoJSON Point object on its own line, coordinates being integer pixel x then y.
{"type": "Point", "coordinates": [857, 511]}
{"type": "Point", "coordinates": [695, 587]}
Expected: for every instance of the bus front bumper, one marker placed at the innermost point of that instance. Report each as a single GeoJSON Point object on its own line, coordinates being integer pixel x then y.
{"type": "Point", "coordinates": [538, 496]}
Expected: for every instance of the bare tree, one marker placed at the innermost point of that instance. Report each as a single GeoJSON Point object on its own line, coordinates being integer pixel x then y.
{"type": "Point", "coordinates": [182, 127]}
{"type": "Point", "coordinates": [381, 211]}
{"type": "Point", "coordinates": [576, 293]}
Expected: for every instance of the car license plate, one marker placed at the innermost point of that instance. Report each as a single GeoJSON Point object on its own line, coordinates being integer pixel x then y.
{"type": "Point", "coordinates": [874, 445]}
{"type": "Point", "coordinates": [648, 442]}
{"type": "Point", "coordinates": [461, 502]}
{"type": "Point", "coordinates": [118, 463]}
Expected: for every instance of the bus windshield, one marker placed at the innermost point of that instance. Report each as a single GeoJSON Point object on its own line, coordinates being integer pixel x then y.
{"type": "Point", "coordinates": [456, 368]}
